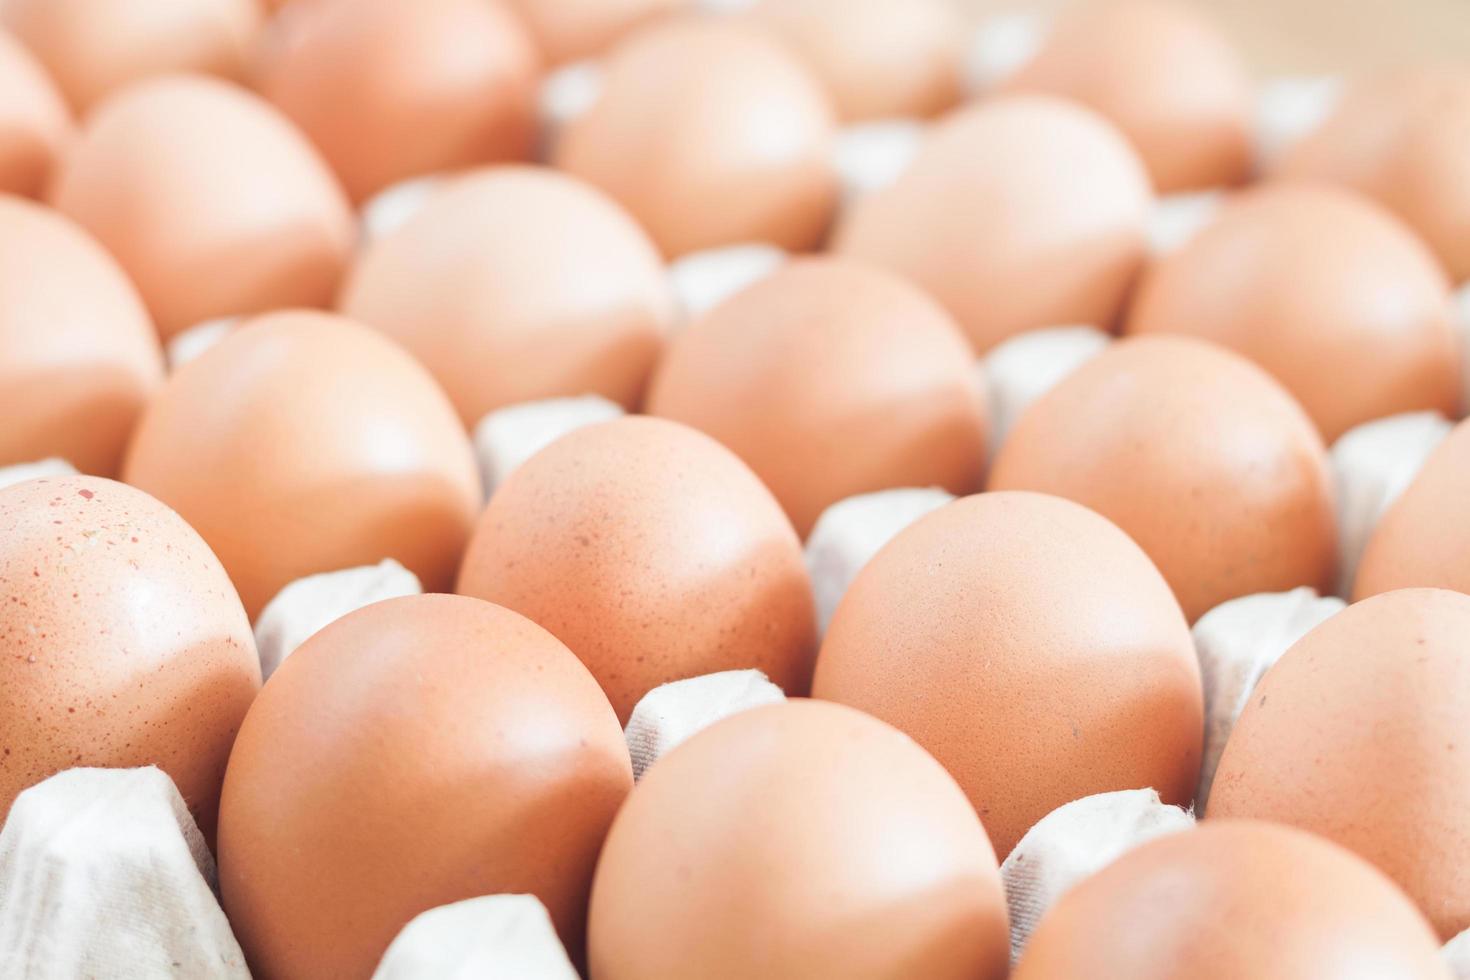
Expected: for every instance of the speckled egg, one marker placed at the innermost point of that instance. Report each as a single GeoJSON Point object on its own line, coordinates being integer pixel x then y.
{"type": "Point", "coordinates": [652, 552]}
{"type": "Point", "coordinates": [1032, 648]}
{"type": "Point", "coordinates": [122, 642]}
{"type": "Point", "coordinates": [34, 121]}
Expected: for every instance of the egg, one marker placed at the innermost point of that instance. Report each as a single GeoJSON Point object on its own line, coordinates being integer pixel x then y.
{"type": "Point", "coordinates": [304, 443]}
{"type": "Point", "coordinates": [1198, 454]}
{"type": "Point", "coordinates": [1327, 291]}
{"type": "Point", "coordinates": [1163, 74]}
{"type": "Point", "coordinates": [570, 29]}
{"type": "Point", "coordinates": [34, 121]}
{"type": "Point", "coordinates": [389, 90]}
{"type": "Point", "coordinates": [78, 354]}
{"type": "Point", "coordinates": [1402, 137]}
{"type": "Point", "coordinates": [516, 283]}
{"type": "Point", "coordinates": [122, 642]}
{"type": "Point", "coordinates": [416, 752]}
{"type": "Point", "coordinates": [212, 202]}
{"type": "Point", "coordinates": [710, 135]}
{"type": "Point", "coordinates": [1233, 899]}
{"type": "Point", "coordinates": [1423, 539]}
{"type": "Point", "coordinates": [797, 840]}
{"type": "Point", "coordinates": [1032, 648]}
{"type": "Point", "coordinates": [879, 58]}
{"type": "Point", "coordinates": [95, 47]}
{"type": "Point", "coordinates": [1017, 213]}
{"type": "Point", "coordinates": [1356, 735]}
{"type": "Point", "coordinates": [653, 553]}
{"type": "Point", "coordinates": [831, 379]}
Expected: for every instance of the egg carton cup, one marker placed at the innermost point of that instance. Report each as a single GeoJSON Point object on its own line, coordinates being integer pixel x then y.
{"type": "Point", "coordinates": [1289, 108]}
{"type": "Point", "coordinates": [1237, 642]}
{"type": "Point", "coordinates": [1000, 46]}
{"type": "Point", "coordinates": [673, 713]}
{"type": "Point", "coordinates": [188, 344]}
{"type": "Point", "coordinates": [1025, 367]}
{"type": "Point", "coordinates": [306, 605]}
{"type": "Point", "coordinates": [1177, 218]}
{"type": "Point", "coordinates": [394, 206]}
{"type": "Point", "coordinates": [565, 94]}
{"type": "Point", "coordinates": [850, 532]}
{"type": "Point", "coordinates": [871, 156]}
{"type": "Point", "coordinates": [21, 472]}
{"type": "Point", "coordinates": [507, 437]}
{"type": "Point", "coordinates": [703, 280]}
{"type": "Point", "coordinates": [495, 937]}
{"type": "Point", "coordinates": [1456, 955]}
{"type": "Point", "coordinates": [1075, 841]}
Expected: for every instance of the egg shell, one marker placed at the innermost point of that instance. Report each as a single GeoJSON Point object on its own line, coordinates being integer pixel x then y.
{"type": "Point", "coordinates": [877, 59]}
{"type": "Point", "coordinates": [710, 135]}
{"type": "Point", "coordinates": [797, 840]}
{"type": "Point", "coordinates": [306, 443]}
{"type": "Point", "coordinates": [419, 751]}
{"type": "Point", "coordinates": [1017, 213]}
{"type": "Point", "coordinates": [1330, 293]}
{"type": "Point", "coordinates": [653, 553]}
{"type": "Point", "coordinates": [1423, 539]}
{"type": "Point", "coordinates": [34, 121]}
{"type": "Point", "coordinates": [1403, 138]}
{"type": "Point", "coordinates": [1234, 899]}
{"type": "Point", "coordinates": [830, 379]}
{"type": "Point", "coordinates": [1198, 454]}
{"type": "Point", "coordinates": [1356, 735]}
{"type": "Point", "coordinates": [567, 30]}
{"type": "Point", "coordinates": [95, 47]}
{"type": "Point", "coordinates": [78, 354]}
{"type": "Point", "coordinates": [1164, 74]}
{"type": "Point", "coordinates": [122, 642]}
{"type": "Point", "coordinates": [518, 283]}
{"type": "Point", "coordinates": [1032, 648]}
{"type": "Point", "coordinates": [211, 201]}
{"type": "Point", "coordinates": [389, 90]}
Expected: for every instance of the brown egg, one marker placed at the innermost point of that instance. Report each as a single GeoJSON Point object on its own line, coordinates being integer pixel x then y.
{"type": "Point", "coordinates": [1404, 138]}
{"type": "Point", "coordinates": [1230, 900]}
{"type": "Point", "coordinates": [1017, 213]}
{"type": "Point", "coordinates": [1423, 540]}
{"type": "Point", "coordinates": [570, 29]}
{"type": "Point", "coordinates": [95, 47]}
{"type": "Point", "coordinates": [711, 135]}
{"type": "Point", "coordinates": [389, 90]}
{"type": "Point", "coordinates": [306, 443]}
{"type": "Point", "coordinates": [416, 752]}
{"type": "Point", "coordinates": [122, 642]}
{"type": "Point", "coordinates": [831, 379]}
{"type": "Point", "coordinates": [1357, 734]}
{"type": "Point", "coordinates": [212, 203]}
{"type": "Point", "coordinates": [1163, 74]}
{"type": "Point", "coordinates": [1198, 454]}
{"type": "Point", "coordinates": [516, 283]}
{"type": "Point", "coordinates": [653, 553]}
{"type": "Point", "coordinates": [1324, 289]}
{"type": "Point", "coordinates": [798, 840]}
{"type": "Point", "coordinates": [34, 121]}
{"type": "Point", "coordinates": [1032, 647]}
{"type": "Point", "coordinates": [879, 58]}
{"type": "Point", "coordinates": [78, 354]}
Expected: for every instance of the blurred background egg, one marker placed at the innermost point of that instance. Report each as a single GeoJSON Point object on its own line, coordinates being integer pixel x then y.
{"type": "Point", "coordinates": [34, 121]}
{"type": "Point", "coordinates": [516, 283]}
{"type": "Point", "coordinates": [95, 47]}
{"type": "Point", "coordinates": [1327, 291]}
{"type": "Point", "coordinates": [877, 58]}
{"type": "Point", "coordinates": [1203, 458]}
{"type": "Point", "coordinates": [122, 642]}
{"type": "Point", "coordinates": [653, 553]}
{"type": "Point", "coordinates": [1017, 213]}
{"type": "Point", "coordinates": [78, 354]}
{"type": "Point", "coordinates": [1032, 648]}
{"type": "Point", "coordinates": [1357, 734]}
{"type": "Point", "coordinates": [1163, 74]}
{"type": "Point", "coordinates": [831, 379]}
{"type": "Point", "coordinates": [303, 443]}
{"type": "Point", "coordinates": [416, 752]}
{"type": "Point", "coordinates": [710, 134]}
{"type": "Point", "coordinates": [567, 30]}
{"type": "Point", "coordinates": [388, 90]}
{"type": "Point", "coordinates": [795, 840]}
{"type": "Point", "coordinates": [211, 201]}
{"type": "Point", "coordinates": [1229, 900]}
